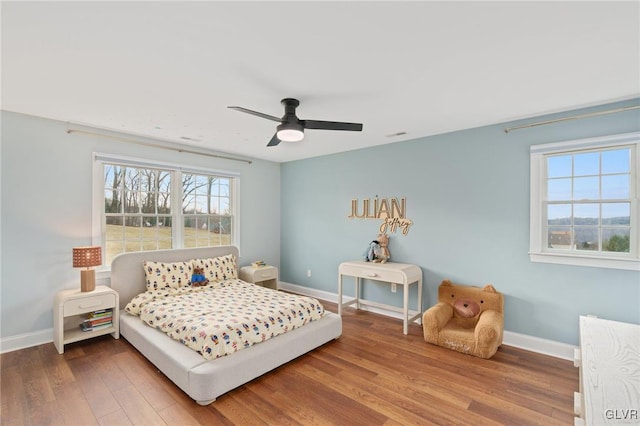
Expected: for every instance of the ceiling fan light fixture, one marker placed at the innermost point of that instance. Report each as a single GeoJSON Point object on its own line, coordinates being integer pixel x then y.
{"type": "Point", "coordinates": [290, 132]}
{"type": "Point", "coordinates": [291, 128]}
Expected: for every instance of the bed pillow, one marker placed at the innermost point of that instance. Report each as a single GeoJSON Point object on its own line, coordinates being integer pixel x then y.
{"type": "Point", "coordinates": [218, 268]}
{"type": "Point", "coordinates": [164, 274]}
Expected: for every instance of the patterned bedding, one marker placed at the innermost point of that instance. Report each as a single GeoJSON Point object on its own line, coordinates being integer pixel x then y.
{"type": "Point", "coordinates": [224, 316]}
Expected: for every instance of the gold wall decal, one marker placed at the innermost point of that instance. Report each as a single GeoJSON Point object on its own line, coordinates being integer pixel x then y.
{"type": "Point", "coordinates": [392, 224]}
{"type": "Point", "coordinates": [392, 211]}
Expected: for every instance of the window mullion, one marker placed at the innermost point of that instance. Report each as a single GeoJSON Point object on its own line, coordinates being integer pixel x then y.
{"type": "Point", "coordinates": [177, 234]}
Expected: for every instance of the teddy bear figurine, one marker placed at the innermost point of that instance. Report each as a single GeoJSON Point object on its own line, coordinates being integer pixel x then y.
{"type": "Point", "coordinates": [198, 279]}
{"type": "Point", "coordinates": [382, 254]}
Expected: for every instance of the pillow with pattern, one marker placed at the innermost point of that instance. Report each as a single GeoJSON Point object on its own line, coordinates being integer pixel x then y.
{"type": "Point", "coordinates": [218, 268]}
{"type": "Point", "coordinates": [164, 274]}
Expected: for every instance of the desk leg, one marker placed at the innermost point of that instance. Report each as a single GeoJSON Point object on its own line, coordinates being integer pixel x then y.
{"type": "Point", "coordinates": [405, 324]}
{"type": "Point", "coordinates": [420, 300]}
{"type": "Point", "coordinates": [357, 292]}
{"type": "Point", "coordinates": [340, 294]}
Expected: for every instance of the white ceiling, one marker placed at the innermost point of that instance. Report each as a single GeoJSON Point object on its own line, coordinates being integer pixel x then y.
{"type": "Point", "coordinates": [169, 69]}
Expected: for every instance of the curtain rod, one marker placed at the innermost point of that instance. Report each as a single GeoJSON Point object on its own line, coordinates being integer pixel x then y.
{"type": "Point", "coordinates": [573, 117]}
{"type": "Point", "coordinates": [153, 145]}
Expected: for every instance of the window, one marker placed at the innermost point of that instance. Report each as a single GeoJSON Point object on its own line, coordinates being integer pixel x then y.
{"type": "Point", "coordinates": [206, 208]}
{"type": "Point", "coordinates": [137, 209]}
{"type": "Point", "coordinates": [584, 202]}
{"type": "Point", "coordinates": [140, 205]}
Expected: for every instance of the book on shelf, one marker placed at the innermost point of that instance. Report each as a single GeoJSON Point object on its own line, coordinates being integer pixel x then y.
{"type": "Point", "coordinates": [97, 321]}
{"type": "Point", "coordinates": [100, 313]}
{"type": "Point", "coordinates": [88, 327]}
{"type": "Point", "coordinates": [259, 263]}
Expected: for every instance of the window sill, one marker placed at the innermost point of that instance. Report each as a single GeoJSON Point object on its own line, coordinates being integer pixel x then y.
{"type": "Point", "coordinates": [591, 261]}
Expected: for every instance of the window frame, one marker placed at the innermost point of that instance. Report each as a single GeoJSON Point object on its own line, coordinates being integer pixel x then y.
{"type": "Point", "coordinates": [176, 170]}
{"type": "Point", "coordinates": [537, 251]}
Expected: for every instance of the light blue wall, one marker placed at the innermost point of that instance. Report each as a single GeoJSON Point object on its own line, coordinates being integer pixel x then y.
{"type": "Point", "coordinates": [468, 195]}
{"type": "Point", "coordinates": [46, 210]}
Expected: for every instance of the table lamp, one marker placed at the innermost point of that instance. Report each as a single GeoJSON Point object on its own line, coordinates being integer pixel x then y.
{"type": "Point", "coordinates": [86, 257]}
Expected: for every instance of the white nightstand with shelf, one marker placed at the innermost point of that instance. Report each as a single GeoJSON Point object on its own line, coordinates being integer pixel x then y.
{"type": "Point", "coordinates": [266, 276]}
{"type": "Point", "coordinates": [70, 309]}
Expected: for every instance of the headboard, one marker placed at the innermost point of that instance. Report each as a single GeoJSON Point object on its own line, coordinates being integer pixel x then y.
{"type": "Point", "coordinates": [127, 271]}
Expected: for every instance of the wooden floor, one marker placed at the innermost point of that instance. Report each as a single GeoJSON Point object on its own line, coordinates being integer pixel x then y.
{"type": "Point", "coordinates": [372, 375]}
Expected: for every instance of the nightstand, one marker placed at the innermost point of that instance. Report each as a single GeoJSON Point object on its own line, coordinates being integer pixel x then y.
{"type": "Point", "coordinates": [266, 276]}
{"type": "Point", "coordinates": [70, 309]}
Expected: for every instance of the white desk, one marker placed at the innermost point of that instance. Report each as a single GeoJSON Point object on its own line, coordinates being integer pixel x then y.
{"type": "Point", "coordinates": [402, 274]}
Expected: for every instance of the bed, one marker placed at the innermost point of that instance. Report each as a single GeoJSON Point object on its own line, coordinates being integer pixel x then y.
{"type": "Point", "coordinates": [205, 380]}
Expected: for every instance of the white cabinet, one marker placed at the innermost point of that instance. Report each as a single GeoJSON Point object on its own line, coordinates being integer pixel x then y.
{"type": "Point", "coordinates": [609, 362]}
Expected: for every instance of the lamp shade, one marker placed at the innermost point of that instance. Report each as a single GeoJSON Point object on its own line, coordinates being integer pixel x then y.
{"type": "Point", "coordinates": [85, 257]}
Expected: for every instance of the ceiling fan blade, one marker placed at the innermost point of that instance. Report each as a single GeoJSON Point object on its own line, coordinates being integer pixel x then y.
{"type": "Point", "coordinates": [274, 140]}
{"type": "Point", "coordinates": [259, 114]}
{"type": "Point", "coordinates": [331, 125]}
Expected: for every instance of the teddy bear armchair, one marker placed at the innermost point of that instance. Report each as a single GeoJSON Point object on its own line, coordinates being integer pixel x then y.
{"type": "Point", "coordinates": [466, 319]}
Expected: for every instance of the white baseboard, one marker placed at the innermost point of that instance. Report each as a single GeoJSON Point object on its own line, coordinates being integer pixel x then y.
{"type": "Point", "coordinates": [522, 341]}
{"type": "Point", "coordinates": [27, 340]}
{"type": "Point", "coordinates": [539, 345]}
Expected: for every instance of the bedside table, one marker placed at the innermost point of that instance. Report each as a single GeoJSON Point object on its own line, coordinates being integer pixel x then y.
{"type": "Point", "coordinates": [266, 276]}
{"type": "Point", "coordinates": [70, 309]}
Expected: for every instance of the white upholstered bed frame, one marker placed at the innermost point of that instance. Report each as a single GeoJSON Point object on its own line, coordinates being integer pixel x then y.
{"type": "Point", "coordinates": [205, 380]}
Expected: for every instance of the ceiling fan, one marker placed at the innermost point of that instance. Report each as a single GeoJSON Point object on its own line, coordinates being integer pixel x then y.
{"type": "Point", "coordinates": [291, 128]}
